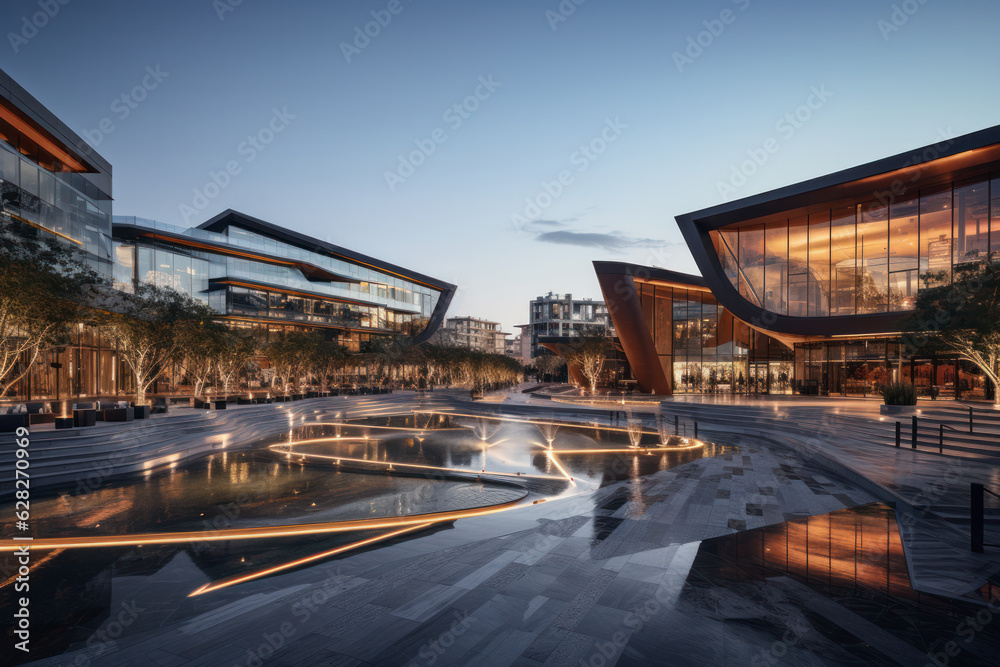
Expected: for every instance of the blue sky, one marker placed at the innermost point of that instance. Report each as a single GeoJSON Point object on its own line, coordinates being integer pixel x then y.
{"type": "Point", "coordinates": [594, 95]}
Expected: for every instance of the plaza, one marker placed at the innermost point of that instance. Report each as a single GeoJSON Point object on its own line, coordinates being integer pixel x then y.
{"type": "Point", "coordinates": [260, 402]}
{"type": "Point", "coordinates": [510, 559]}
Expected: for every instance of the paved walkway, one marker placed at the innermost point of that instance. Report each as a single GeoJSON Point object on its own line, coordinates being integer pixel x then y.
{"type": "Point", "coordinates": [549, 584]}
{"type": "Point", "coordinates": [683, 566]}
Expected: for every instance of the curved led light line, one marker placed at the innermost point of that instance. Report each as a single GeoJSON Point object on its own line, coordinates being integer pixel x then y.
{"type": "Point", "coordinates": [223, 583]}
{"type": "Point", "coordinates": [253, 533]}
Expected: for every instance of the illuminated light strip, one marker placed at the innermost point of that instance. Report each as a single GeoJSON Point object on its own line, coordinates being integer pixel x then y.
{"type": "Point", "coordinates": [223, 583]}
{"type": "Point", "coordinates": [601, 405]}
{"type": "Point", "coordinates": [391, 428]}
{"type": "Point", "coordinates": [11, 116]}
{"type": "Point", "coordinates": [43, 228]}
{"type": "Point", "coordinates": [401, 465]}
{"type": "Point", "coordinates": [555, 460]}
{"type": "Point", "coordinates": [534, 422]}
{"type": "Point", "coordinates": [254, 533]}
{"type": "Point", "coordinates": [34, 566]}
{"type": "Point", "coordinates": [634, 450]}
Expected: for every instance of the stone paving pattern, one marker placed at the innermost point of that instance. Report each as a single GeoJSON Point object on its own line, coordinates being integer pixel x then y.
{"type": "Point", "coordinates": [551, 584]}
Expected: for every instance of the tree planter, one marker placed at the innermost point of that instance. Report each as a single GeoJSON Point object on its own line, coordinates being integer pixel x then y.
{"type": "Point", "coordinates": [10, 423]}
{"type": "Point", "coordinates": [141, 411]}
{"type": "Point", "coordinates": [84, 417]}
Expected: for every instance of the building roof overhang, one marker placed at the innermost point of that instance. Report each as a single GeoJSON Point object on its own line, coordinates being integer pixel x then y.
{"type": "Point", "coordinates": [235, 218]}
{"type": "Point", "coordinates": [310, 271]}
{"type": "Point", "coordinates": [881, 182]}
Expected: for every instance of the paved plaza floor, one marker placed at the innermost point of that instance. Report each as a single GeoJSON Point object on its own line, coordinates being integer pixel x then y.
{"type": "Point", "coordinates": [769, 552]}
{"type": "Point", "coordinates": [639, 572]}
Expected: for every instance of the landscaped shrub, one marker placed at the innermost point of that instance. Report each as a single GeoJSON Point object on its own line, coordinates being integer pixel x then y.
{"type": "Point", "coordinates": [899, 393]}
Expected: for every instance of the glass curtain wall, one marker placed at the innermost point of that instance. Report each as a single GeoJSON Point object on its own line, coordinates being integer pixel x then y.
{"type": "Point", "coordinates": [703, 349]}
{"type": "Point", "coordinates": [39, 190]}
{"type": "Point", "coordinates": [869, 257]}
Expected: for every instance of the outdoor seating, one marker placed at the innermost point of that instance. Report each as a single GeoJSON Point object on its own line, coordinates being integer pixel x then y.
{"type": "Point", "coordinates": [40, 413]}
{"type": "Point", "coordinates": [115, 412]}
{"type": "Point", "coordinates": [84, 416]}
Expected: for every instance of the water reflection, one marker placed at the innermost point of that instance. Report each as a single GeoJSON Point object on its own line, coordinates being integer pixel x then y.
{"type": "Point", "coordinates": [238, 489]}
{"type": "Point", "coordinates": [589, 455]}
{"type": "Point", "coordinates": [263, 486]}
{"type": "Point", "coordinates": [829, 589]}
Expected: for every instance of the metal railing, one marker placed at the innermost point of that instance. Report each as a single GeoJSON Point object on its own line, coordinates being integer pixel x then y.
{"type": "Point", "coordinates": [972, 416]}
{"type": "Point", "coordinates": [915, 432]}
{"type": "Point", "coordinates": [977, 517]}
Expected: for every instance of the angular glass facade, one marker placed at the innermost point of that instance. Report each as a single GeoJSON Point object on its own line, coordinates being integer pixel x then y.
{"type": "Point", "coordinates": [52, 181]}
{"type": "Point", "coordinates": [50, 187]}
{"type": "Point", "coordinates": [269, 284]}
{"type": "Point", "coordinates": [862, 258]}
{"type": "Point", "coordinates": [702, 349]}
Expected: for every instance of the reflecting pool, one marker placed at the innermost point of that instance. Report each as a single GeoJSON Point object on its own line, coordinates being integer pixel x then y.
{"type": "Point", "coordinates": [382, 470]}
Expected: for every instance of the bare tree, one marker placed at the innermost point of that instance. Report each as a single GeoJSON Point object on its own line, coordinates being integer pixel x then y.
{"type": "Point", "coordinates": [44, 288]}
{"type": "Point", "coordinates": [234, 350]}
{"type": "Point", "coordinates": [145, 327]}
{"type": "Point", "coordinates": [587, 352]}
{"type": "Point", "coordinates": [962, 316]}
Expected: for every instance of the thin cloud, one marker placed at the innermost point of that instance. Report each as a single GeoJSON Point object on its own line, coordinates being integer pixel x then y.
{"type": "Point", "coordinates": [612, 242]}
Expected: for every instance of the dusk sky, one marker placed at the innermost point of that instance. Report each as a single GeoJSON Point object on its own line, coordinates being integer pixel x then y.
{"type": "Point", "coordinates": [666, 120]}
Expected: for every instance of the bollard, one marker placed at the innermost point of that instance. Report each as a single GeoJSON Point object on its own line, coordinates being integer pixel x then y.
{"type": "Point", "coordinates": [677, 425]}
{"type": "Point", "coordinates": [696, 430]}
{"type": "Point", "coordinates": [941, 440]}
{"type": "Point", "coordinates": [913, 433]}
{"type": "Point", "coordinates": [970, 419]}
{"type": "Point", "coordinates": [976, 518]}
{"type": "Point", "coordinates": [898, 433]}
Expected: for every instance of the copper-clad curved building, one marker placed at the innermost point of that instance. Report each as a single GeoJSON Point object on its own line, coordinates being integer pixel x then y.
{"type": "Point", "coordinates": [803, 288]}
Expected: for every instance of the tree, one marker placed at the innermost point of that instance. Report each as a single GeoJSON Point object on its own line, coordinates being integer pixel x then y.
{"type": "Point", "coordinates": [587, 352]}
{"type": "Point", "coordinates": [199, 342]}
{"type": "Point", "coordinates": [290, 354]}
{"type": "Point", "coordinates": [233, 350]}
{"type": "Point", "coordinates": [45, 286]}
{"type": "Point", "coordinates": [146, 327]}
{"type": "Point", "coordinates": [467, 368]}
{"type": "Point", "coordinates": [961, 317]}
{"type": "Point", "coordinates": [549, 364]}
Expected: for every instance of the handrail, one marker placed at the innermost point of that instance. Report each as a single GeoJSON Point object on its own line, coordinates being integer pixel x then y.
{"type": "Point", "coordinates": [977, 517]}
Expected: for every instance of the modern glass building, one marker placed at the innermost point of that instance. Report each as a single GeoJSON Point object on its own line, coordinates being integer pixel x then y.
{"type": "Point", "coordinates": [52, 181]}
{"type": "Point", "coordinates": [260, 276]}
{"type": "Point", "coordinates": [255, 274]}
{"type": "Point", "coordinates": [684, 341]}
{"type": "Point", "coordinates": [803, 288]}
